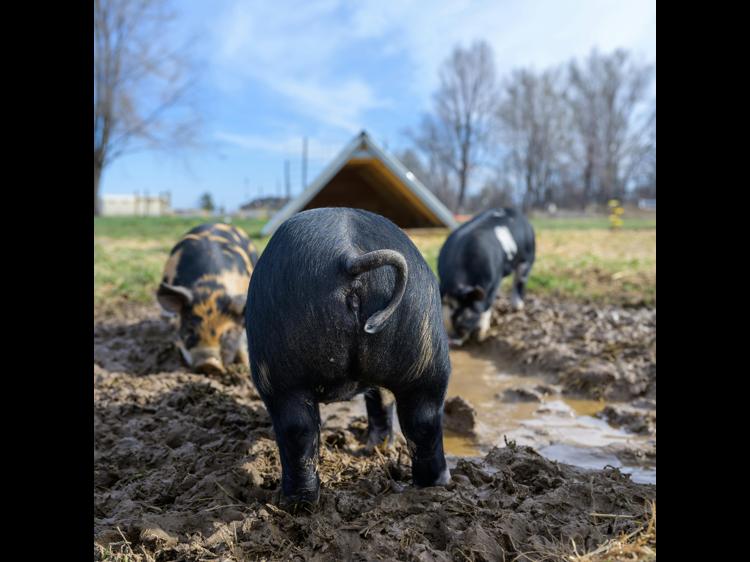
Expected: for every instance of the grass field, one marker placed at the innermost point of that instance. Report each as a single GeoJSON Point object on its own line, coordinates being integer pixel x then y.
{"type": "Point", "coordinates": [577, 258]}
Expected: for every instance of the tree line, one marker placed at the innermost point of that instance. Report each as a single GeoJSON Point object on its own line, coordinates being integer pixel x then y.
{"type": "Point", "coordinates": [579, 133]}
{"type": "Point", "coordinates": [573, 135]}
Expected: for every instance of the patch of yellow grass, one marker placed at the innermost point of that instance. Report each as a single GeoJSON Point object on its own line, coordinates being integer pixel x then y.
{"type": "Point", "coordinates": [637, 546]}
{"type": "Point", "coordinates": [604, 245]}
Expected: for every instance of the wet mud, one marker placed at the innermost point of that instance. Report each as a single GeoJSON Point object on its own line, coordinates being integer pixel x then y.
{"type": "Point", "coordinates": [594, 351]}
{"type": "Point", "coordinates": [186, 468]}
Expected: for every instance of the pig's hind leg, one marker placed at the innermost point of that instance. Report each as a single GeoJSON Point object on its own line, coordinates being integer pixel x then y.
{"type": "Point", "coordinates": [520, 278]}
{"type": "Point", "coordinates": [296, 423]}
{"type": "Point", "coordinates": [379, 419]}
{"type": "Point", "coordinates": [420, 414]}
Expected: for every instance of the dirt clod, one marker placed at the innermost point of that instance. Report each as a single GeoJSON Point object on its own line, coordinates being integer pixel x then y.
{"type": "Point", "coordinates": [631, 419]}
{"type": "Point", "coordinates": [520, 395]}
{"type": "Point", "coordinates": [459, 416]}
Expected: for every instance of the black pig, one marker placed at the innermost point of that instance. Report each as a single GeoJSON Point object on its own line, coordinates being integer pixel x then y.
{"type": "Point", "coordinates": [473, 262]}
{"type": "Point", "coordinates": [342, 302]}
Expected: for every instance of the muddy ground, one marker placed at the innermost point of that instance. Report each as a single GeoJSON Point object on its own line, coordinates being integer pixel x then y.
{"type": "Point", "coordinates": [186, 467]}
{"type": "Point", "coordinates": [589, 351]}
{"type": "Point", "coordinates": [596, 351]}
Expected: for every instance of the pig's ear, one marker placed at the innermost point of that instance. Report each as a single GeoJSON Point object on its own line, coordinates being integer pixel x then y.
{"type": "Point", "coordinates": [237, 305]}
{"type": "Point", "coordinates": [173, 297]}
{"type": "Point", "coordinates": [475, 293]}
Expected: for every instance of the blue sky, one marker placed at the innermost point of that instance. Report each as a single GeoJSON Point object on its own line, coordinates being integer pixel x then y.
{"type": "Point", "coordinates": [275, 71]}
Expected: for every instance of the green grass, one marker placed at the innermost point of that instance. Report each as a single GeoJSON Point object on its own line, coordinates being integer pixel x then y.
{"type": "Point", "coordinates": [173, 227]}
{"type": "Point", "coordinates": [576, 258]}
{"type": "Point", "coordinates": [150, 228]}
{"type": "Point", "coordinates": [122, 273]}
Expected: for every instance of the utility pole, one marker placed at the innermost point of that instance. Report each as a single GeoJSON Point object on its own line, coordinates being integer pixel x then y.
{"type": "Point", "coordinates": [304, 163]}
{"type": "Point", "coordinates": [286, 179]}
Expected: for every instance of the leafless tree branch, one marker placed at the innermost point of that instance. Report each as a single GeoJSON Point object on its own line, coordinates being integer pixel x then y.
{"type": "Point", "coordinates": [142, 83]}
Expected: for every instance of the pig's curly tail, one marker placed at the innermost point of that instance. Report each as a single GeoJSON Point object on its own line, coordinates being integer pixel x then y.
{"type": "Point", "coordinates": [373, 260]}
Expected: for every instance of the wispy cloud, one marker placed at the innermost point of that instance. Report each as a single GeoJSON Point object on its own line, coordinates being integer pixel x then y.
{"type": "Point", "coordinates": [531, 32]}
{"type": "Point", "coordinates": [288, 146]}
{"type": "Point", "coordinates": [313, 53]}
{"type": "Point", "coordinates": [293, 49]}
{"type": "Point", "coordinates": [342, 105]}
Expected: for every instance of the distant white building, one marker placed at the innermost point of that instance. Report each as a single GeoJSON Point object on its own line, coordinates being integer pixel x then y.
{"type": "Point", "coordinates": [135, 205]}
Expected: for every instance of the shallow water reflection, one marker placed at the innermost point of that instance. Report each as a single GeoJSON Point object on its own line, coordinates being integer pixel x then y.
{"type": "Point", "coordinates": [559, 427]}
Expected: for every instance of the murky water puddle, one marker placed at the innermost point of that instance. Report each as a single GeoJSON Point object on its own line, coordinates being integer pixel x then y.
{"type": "Point", "coordinates": [560, 428]}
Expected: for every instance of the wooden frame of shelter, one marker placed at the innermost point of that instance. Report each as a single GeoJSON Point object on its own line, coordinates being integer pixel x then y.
{"type": "Point", "coordinates": [364, 176]}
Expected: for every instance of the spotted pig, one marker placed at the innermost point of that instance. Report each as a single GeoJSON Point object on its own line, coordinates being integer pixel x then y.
{"type": "Point", "coordinates": [205, 284]}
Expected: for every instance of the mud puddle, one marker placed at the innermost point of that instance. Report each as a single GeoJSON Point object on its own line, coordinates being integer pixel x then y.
{"type": "Point", "coordinates": [530, 410]}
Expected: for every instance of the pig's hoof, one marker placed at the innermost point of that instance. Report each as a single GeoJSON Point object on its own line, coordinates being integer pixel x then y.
{"type": "Point", "coordinates": [300, 507]}
{"type": "Point", "coordinates": [299, 504]}
{"type": "Point", "coordinates": [443, 479]}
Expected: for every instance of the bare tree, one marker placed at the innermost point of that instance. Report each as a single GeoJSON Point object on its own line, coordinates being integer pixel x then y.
{"type": "Point", "coordinates": [642, 169]}
{"type": "Point", "coordinates": [606, 95]}
{"type": "Point", "coordinates": [458, 132]}
{"type": "Point", "coordinates": [495, 193]}
{"type": "Point", "coordinates": [532, 120]}
{"type": "Point", "coordinates": [141, 82]}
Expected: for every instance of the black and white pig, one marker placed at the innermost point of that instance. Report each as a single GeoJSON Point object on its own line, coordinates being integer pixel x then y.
{"type": "Point", "coordinates": [342, 302]}
{"type": "Point", "coordinates": [205, 283]}
{"type": "Point", "coordinates": [473, 262]}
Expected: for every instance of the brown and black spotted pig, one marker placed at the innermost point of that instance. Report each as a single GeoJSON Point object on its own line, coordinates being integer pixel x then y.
{"type": "Point", "coordinates": [205, 282]}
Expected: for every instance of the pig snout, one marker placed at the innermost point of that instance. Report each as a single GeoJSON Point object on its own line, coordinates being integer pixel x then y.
{"type": "Point", "coordinates": [208, 361]}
